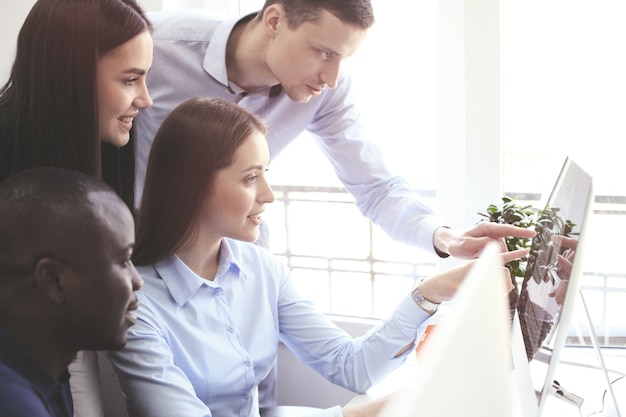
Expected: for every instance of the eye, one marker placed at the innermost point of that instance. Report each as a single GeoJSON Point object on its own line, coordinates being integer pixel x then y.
{"type": "Point", "coordinates": [251, 179]}
{"type": "Point", "coordinates": [326, 55]}
{"type": "Point", "coordinates": [127, 261]}
{"type": "Point", "coordinates": [130, 81]}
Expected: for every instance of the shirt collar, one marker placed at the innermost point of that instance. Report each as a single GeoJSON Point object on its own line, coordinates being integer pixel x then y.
{"type": "Point", "coordinates": [215, 59]}
{"type": "Point", "coordinates": [183, 283]}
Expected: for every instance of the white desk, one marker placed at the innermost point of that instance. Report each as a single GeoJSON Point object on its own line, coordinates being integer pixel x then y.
{"type": "Point", "coordinates": [578, 373]}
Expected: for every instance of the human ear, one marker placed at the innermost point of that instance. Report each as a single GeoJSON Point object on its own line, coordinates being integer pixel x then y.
{"type": "Point", "coordinates": [271, 17]}
{"type": "Point", "coordinates": [50, 278]}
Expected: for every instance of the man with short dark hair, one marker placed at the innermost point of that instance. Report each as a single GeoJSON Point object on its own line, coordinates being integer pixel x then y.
{"type": "Point", "coordinates": [66, 283]}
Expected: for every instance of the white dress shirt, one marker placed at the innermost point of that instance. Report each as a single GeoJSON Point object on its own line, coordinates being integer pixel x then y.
{"type": "Point", "coordinates": [190, 61]}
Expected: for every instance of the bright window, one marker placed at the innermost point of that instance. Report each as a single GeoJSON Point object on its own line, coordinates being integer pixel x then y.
{"type": "Point", "coordinates": [564, 93]}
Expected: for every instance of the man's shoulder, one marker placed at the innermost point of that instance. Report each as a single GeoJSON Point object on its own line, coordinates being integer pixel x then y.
{"type": "Point", "coordinates": [18, 397]}
{"type": "Point", "coordinates": [187, 24]}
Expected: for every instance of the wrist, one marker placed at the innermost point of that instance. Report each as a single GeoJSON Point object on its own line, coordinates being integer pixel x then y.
{"type": "Point", "coordinates": [424, 303]}
{"type": "Point", "coordinates": [441, 240]}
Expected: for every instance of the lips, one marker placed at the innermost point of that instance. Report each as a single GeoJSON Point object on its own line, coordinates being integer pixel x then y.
{"type": "Point", "coordinates": [129, 315]}
{"type": "Point", "coordinates": [128, 118]}
{"type": "Point", "coordinates": [256, 218]}
{"type": "Point", "coordinates": [134, 305]}
{"type": "Point", "coordinates": [316, 90]}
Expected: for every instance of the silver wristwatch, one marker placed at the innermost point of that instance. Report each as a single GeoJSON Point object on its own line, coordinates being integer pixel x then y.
{"type": "Point", "coordinates": [420, 300]}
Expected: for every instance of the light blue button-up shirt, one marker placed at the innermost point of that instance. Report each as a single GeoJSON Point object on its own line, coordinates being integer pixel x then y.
{"type": "Point", "coordinates": [190, 61]}
{"type": "Point", "coordinates": [201, 347]}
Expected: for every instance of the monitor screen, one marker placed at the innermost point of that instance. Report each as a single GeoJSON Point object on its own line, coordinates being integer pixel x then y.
{"type": "Point", "coordinates": [551, 283]}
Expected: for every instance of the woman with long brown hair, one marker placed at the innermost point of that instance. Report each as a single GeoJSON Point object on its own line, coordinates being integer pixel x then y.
{"type": "Point", "coordinates": [77, 83]}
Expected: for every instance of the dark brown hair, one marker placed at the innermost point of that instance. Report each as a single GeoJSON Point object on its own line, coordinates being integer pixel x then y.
{"type": "Point", "coordinates": [354, 12]}
{"type": "Point", "coordinates": [49, 106]}
{"type": "Point", "coordinates": [196, 140]}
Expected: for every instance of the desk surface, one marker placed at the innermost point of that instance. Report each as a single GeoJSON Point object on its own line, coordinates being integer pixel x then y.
{"type": "Point", "coordinates": [578, 372]}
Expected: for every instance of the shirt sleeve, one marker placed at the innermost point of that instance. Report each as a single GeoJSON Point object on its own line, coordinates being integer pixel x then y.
{"type": "Point", "coordinates": [353, 363]}
{"type": "Point", "coordinates": [387, 199]}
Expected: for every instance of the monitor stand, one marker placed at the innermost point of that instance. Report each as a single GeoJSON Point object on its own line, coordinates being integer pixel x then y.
{"type": "Point", "coordinates": [528, 397]}
{"type": "Point", "coordinates": [596, 347]}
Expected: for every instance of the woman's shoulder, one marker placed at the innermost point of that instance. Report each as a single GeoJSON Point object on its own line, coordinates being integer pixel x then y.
{"type": "Point", "coordinates": [249, 254]}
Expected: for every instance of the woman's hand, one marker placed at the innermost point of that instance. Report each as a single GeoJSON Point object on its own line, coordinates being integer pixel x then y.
{"type": "Point", "coordinates": [443, 286]}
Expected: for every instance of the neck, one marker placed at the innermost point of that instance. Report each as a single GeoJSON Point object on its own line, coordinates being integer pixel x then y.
{"type": "Point", "coordinates": [246, 56]}
{"type": "Point", "coordinates": [201, 258]}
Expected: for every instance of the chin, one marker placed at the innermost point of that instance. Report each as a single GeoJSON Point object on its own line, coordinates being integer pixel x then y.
{"type": "Point", "coordinates": [248, 237]}
{"type": "Point", "coordinates": [118, 142]}
{"type": "Point", "coordinates": [298, 97]}
{"type": "Point", "coordinates": [251, 239]}
{"type": "Point", "coordinates": [302, 100]}
{"type": "Point", "coordinates": [117, 343]}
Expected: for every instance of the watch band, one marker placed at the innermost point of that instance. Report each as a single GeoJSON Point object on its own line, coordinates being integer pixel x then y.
{"type": "Point", "coordinates": [420, 300]}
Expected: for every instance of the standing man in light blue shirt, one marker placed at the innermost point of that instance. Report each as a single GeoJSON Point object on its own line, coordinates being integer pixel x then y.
{"type": "Point", "coordinates": [284, 64]}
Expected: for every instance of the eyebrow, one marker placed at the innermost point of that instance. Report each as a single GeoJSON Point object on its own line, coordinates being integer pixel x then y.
{"type": "Point", "coordinates": [137, 71]}
{"type": "Point", "coordinates": [129, 247]}
{"type": "Point", "coordinates": [253, 168]}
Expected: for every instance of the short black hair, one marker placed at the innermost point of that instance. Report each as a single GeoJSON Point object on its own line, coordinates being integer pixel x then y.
{"type": "Point", "coordinates": [42, 209]}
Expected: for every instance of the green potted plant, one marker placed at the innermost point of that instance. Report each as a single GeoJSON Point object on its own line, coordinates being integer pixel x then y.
{"type": "Point", "coordinates": [510, 212]}
{"type": "Point", "coordinates": [547, 222]}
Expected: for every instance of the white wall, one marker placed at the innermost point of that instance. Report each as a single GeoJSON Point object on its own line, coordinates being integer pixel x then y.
{"type": "Point", "coordinates": [12, 15]}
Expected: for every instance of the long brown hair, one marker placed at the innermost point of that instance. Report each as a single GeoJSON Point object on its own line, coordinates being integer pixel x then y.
{"type": "Point", "coordinates": [196, 140]}
{"type": "Point", "coordinates": [49, 106]}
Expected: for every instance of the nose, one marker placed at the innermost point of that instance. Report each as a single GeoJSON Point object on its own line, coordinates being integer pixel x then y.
{"type": "Point", "coordinates": [330, 74]}
{"type": "Point", "coordinates": [143, 100]}
{"type": "Point", "coordinates": [136, 279]}
{"type": "Point", "coordinates": [265, 193]}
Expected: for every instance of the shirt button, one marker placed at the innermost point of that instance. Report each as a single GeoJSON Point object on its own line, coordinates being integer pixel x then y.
{"type": "Point", "coordinates": [248, 363]}
{"type": "Point", "coordinates": [231, 329]}
{"type": "Point", "coordinates": [246, 396]}
{"type": "Point", "coordinates": [217, 291]}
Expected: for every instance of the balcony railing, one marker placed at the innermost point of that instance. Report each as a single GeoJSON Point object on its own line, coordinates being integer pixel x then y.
{"type": "Point", "coordinates": [348, 266]}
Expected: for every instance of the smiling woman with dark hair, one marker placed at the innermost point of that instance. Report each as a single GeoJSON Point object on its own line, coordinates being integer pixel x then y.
{"type": "Point", "coordinates": [78, 81]}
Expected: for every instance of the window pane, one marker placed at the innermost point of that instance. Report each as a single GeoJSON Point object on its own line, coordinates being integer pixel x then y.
{"type": "Point", "coordinates": [564, 93]}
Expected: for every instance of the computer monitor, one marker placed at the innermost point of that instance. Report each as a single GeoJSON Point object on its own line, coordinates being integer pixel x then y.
{"type": "Point", "coordinates": [549, 291]}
